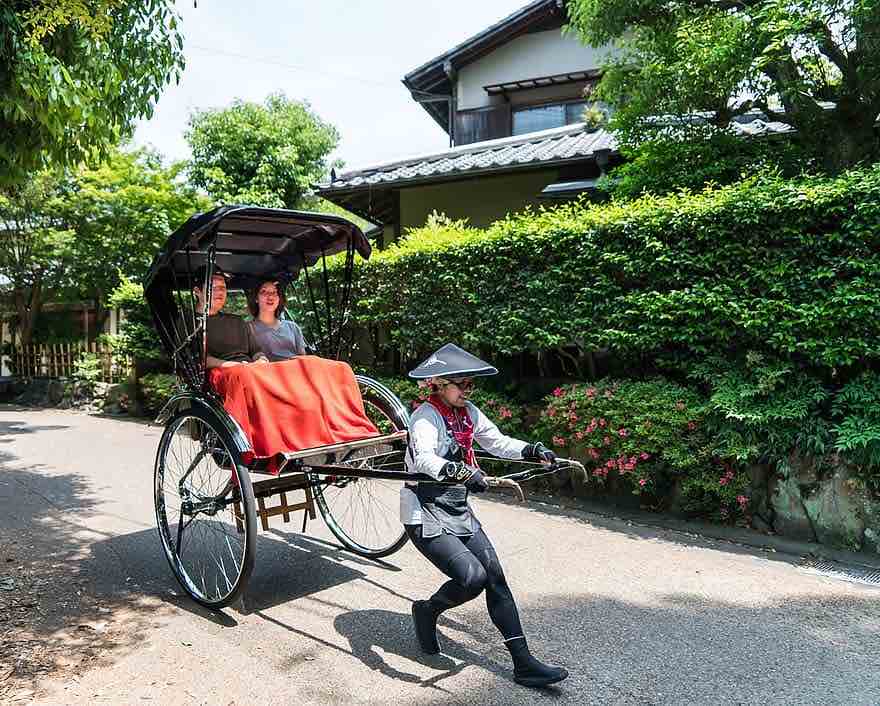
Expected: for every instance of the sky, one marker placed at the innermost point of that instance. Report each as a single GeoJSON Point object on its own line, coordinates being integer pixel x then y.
{"type": "Point", "coordinates": [345, 57]}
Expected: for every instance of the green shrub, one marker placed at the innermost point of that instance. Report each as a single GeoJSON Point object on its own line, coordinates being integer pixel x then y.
{"type": "Point", "coordinates": [156, 390]}
{"type": "Point", "coordinates": [649, 436]}
{"type": "Point", "coordinates": [856, 415]}
{"type": "Point", "coordinates": [786, 268]}
{"type": "Point", "coordinates": [137, 335]}
{"type": "Point", "coordinates": [87, 372]}
{"type": "Point", "coordinates": [760, 409]}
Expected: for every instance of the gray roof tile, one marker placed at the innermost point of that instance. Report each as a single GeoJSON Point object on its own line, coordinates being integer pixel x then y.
{"type": "Point", "coordinates": [543, 148]}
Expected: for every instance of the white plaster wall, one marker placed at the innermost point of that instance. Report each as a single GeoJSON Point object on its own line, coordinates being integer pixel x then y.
{"type": "Point", "coordinates": [528, 56]}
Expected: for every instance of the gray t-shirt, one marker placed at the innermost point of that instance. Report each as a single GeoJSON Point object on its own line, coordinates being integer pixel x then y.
{"type": "Point", "coordinates": [281, 343]}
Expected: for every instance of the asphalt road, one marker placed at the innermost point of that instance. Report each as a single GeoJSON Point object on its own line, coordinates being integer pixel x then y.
{"type": "Point", "coordinates": [639, 615]}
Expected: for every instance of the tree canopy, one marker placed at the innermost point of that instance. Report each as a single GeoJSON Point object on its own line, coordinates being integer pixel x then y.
{"type": "Point", "coordinates": [34, 243]}
{"type": "Point", "coordinates": [121, 213]}
{"type": "Point", "coordinates": [75, 235]}
{"type": "Point", "coordinates": [74, 74]}
{"type": "Point", "coordinates": [266, 154]}
{"type": "Point", "coordinates": [812, 64]}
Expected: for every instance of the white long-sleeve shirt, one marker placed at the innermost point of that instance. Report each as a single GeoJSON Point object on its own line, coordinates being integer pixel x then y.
{"type": "Point", "coordinates": [430, 441]}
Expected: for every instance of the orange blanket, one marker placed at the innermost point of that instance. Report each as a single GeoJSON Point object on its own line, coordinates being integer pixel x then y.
{"type": "Point", "coordinates": [293, 404]}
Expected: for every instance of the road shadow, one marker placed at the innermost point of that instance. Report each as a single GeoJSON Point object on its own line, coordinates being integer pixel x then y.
{"type": "Point", "coordinates": [683, 649]}
{"type": "Point", "coordinates": [57, 619]}
{"type": "Point", "coordinates": [370, 633]}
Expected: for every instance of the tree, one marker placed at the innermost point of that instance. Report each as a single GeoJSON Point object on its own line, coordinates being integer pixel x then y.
{"type": "Point", "coordinates": [265, 155]}
{"type": "Point", "coordinates": [33, 247]}
{"type": "Point", "coordinates": [121, 213]}
{"type": "Point", "coordinates": [812, 64]}
{"type": "Point", "coordinates": [74, 74]}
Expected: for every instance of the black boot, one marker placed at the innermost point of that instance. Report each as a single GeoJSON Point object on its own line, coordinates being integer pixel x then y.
{"type": "Point", "coordinates": [425, 620]}
{"type": "Point", "coordinates": [527, 670]}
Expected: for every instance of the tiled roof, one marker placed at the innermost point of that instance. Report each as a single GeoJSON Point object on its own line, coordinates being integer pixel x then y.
{"type": "Point", "coordinates": [537, 149]}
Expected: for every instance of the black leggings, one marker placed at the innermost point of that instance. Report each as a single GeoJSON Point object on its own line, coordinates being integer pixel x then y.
{"type": "Point", "coordinates": [472, 565]}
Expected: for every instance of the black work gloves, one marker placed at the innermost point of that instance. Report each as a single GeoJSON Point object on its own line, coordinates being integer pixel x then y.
{"type": "Point", "coordinates": [477, 482]}
{"type": "Point", "coordinates": [538, 452]}
{"type": "Point", "coordinates": [474, 480]}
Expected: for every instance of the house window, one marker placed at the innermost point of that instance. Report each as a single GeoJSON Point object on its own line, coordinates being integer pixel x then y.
{"type": "Point", "coordinates": [543, 117]}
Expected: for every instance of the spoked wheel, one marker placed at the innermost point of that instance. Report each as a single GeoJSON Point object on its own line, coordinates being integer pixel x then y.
{"type": "Point", "coordinates": [204, 509]}
{"type": "Point", "coordinates": [363, 513]}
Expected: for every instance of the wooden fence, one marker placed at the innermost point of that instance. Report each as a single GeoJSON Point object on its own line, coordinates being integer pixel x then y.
{"type": "Point", "coordinates": [57, 360]}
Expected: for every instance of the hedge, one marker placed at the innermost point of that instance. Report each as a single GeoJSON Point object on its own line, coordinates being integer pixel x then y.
{"type": "Point", "coordinates": [790, 268]}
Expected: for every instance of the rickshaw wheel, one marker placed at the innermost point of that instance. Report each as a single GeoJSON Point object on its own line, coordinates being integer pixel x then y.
{"type": "Point", "coordinates": [363, 513]}
{"type": "Point", "coordinates": [205, 509]}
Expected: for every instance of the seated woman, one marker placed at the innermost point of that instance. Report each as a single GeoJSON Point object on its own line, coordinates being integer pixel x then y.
{"type": "Point", "coordinates": [280, 339]}
{"type": "Point", "coordinates": [230, 340]}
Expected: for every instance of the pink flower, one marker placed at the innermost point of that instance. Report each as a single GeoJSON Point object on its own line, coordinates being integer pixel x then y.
{"type": "Point", "coordinates": [742, 500]}
{"type": "Point", "coordinates": [644, 456]}
{"type": "Point", "coordinates": [579, 435]}
{"type": "Point", "coordinates": [591, 392]}
{"type": "Point", "coordinates": [594, 454]}
{"type": "Point", "coordinates": [723, 480]}
{"type": "Point", "coordinates": [602, 423]}
{"type": "Point", "coordinates": [629, 467]}
{"type": "Point", "coordinates": [643, 481]}
{"type": "Point", "coordinates": [573, 417]}
{"type": "Point", "coordinates": [606, 441]}
{"type": "Point", "coordinates": [692, 425]}
{"type": "Point", "coordinates": [623, 432]}
{"type": "Point", "coordinates": [610, 463]}
{"type": "Point", "coordinates": [505, 413]}
{"type": "Point", "coordinates": [558, 392]}
{"type": "Point", "coordinates": [558, 441]}
{"type": "Point", "coordinates": [551, 412]}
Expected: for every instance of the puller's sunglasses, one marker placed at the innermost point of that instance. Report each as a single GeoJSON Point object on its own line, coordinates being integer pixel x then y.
{"type": "Point", "coordinates": [464, 384]}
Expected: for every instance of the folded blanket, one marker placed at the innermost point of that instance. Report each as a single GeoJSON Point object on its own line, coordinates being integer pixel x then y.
{"type": "Point", "coordinates": [293, 404]}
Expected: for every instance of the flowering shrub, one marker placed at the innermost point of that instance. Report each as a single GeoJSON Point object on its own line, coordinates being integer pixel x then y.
{"type": "Point", "coordinates": [644, 433]}
{"type": "Point", "coordinates": [720, 490]}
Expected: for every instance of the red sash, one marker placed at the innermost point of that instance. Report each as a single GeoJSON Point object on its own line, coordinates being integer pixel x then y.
{"type": "Point", "coordinates": [460, 425]}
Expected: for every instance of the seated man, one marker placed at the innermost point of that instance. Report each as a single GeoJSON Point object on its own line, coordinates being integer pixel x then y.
{"type": "Point", "coordinates": [230, 340]}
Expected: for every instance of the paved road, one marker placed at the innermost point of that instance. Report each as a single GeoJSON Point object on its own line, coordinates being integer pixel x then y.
{"type": "Point", "coordinates": [638, 615]}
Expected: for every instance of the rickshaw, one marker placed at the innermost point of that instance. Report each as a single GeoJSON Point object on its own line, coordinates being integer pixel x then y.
{"type": "Point", "coordinates": [210, 488]}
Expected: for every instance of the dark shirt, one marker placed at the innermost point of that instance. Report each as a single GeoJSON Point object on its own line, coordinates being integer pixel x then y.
{"type": "Point", "coordinates": [230, 338]}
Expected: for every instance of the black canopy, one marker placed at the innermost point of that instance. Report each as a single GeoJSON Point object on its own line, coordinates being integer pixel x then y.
{"type": "Point", "coordinates": [251, 243]}
{"type": "Point", "coordinates": [248, 243]}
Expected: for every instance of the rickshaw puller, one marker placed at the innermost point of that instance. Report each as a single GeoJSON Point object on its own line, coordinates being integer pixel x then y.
{"type": "Point", "coordinates": [438, 518]}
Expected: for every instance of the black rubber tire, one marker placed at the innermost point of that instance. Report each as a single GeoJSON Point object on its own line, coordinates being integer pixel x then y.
{"type": "Point", "coordinates": [396, 415]}
{"type": "Point", "coordinates": [245, 564]}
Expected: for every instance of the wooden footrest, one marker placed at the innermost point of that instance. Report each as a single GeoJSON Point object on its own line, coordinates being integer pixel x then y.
{"type": "Point", "coordinates": [264, 490]}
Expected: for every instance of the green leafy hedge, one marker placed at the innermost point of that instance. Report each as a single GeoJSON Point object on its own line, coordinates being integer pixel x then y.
{"type": "Point", "coordinates": [790, 268]}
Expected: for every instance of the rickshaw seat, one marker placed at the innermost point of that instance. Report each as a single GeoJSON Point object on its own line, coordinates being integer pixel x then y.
{"type": "Point", "coordinates": [302, 403]}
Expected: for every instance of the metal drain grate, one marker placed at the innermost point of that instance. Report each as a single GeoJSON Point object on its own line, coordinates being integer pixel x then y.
{"type": "Point", "coordinates": [844, 572]}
